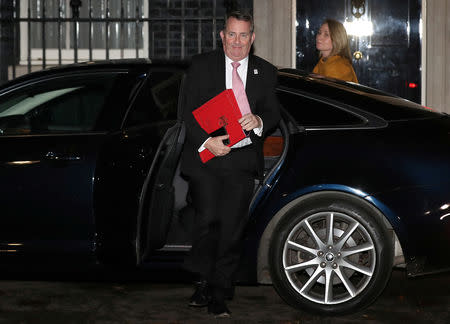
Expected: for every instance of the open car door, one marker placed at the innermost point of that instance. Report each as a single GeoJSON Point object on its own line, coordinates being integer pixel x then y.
{"type": "Point", "coordinates": [157, 197]}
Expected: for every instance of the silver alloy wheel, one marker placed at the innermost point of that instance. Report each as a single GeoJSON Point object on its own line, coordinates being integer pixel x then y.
{"type": "Point", "coordinates": [329, 257]}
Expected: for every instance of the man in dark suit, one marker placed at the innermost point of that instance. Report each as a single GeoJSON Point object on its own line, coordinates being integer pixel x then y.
{"type": "Point", "coordinates": [221, 189]}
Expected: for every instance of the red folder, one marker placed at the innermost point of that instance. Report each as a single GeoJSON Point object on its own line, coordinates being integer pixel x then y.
{"type": "Point", "coordinates": [220, 111]}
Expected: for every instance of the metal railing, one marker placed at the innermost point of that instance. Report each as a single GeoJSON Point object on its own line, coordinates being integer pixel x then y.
{"type": "Point", "coordinates": [144, 33]}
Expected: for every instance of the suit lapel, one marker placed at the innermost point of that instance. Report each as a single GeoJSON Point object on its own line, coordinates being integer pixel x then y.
{"type": "Point", "coordinates": [251, 87]}
{"type": "Point", "coordinates": [219, 80]}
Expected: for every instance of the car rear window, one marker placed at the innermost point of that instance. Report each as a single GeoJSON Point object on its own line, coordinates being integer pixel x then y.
{"type": "Point", "coordinates": [309, 112]}
{"type": "Point", "coordinates": [384, 105]}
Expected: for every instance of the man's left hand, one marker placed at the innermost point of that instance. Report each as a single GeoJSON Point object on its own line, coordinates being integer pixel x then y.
{"type": "Point", "coordinates": [249, 121]}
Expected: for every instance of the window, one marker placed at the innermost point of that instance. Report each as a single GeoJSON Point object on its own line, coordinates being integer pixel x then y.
{"type": "Point", "coordinates": [124, 37]}
{"type": "Point", "coordinates": [113, 29]}
{"type": "Point", "coordinates": [60, 105]}
{"type": "Point", "coordinates": [310, 112]}
{"type": "Point", "coordinates": [158, 99]}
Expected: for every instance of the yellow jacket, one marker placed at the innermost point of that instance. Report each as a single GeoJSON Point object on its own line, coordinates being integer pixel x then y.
{"type": "Point", "coordinates": [336, 67]}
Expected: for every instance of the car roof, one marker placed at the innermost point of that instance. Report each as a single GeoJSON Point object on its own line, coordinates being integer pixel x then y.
{"type": "Point", "coordinates": [141, 64]}
{"type": "Point", "coordinates": [385, 105]}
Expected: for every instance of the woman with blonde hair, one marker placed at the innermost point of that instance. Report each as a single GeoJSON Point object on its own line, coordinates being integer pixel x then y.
{"type": "Point", "coordinates": [335, 60]}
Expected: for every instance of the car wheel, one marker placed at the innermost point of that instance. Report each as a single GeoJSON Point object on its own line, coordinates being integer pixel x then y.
{"type": "Point", "coordinates": [330, 255]}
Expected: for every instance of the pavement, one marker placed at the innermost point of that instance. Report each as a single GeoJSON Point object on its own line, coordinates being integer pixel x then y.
{"type": "Point", "coordinates": [145, 298]}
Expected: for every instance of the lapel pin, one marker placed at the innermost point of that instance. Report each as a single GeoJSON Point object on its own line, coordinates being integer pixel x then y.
{"type": "Point", "coordinates": [255, 71]}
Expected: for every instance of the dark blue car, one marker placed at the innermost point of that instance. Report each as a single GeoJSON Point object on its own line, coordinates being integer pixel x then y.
{"type": "Point", "coordinates": [357, 181]}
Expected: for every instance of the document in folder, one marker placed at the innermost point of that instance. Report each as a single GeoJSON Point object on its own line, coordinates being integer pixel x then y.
{"type": "Point", "coordinates": [220, 112]}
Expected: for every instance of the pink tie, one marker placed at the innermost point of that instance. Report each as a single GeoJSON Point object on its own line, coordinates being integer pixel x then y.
{"type": "Point", "coordinates": [239, 90]}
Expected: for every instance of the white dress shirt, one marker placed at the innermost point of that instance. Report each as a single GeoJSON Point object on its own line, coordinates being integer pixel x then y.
{"type": "Point", "coordinates": [242, 71]}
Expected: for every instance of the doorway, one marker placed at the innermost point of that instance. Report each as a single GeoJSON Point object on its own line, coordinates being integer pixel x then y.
{"type": "Point", "coordinates": [384, 37]}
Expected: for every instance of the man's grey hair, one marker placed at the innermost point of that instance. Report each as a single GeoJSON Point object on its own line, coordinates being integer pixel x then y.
{"type": "Point", "coordinates": [240, 15]}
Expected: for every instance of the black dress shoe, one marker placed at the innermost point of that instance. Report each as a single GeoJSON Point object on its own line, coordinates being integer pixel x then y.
{"type": "Point", "coordinates": [201, 296]}
{"type": "Point", "coordinates": [218, 308]}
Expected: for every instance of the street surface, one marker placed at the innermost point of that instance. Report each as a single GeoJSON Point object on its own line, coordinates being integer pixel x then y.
{"type": "Point", "coordinates": [144, 298]}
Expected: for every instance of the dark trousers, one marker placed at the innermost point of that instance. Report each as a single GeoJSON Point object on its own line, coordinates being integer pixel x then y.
{"type": "Point", "coordinates": [221, 201]}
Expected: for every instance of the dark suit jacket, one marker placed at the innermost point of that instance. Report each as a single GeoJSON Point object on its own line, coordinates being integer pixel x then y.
{"type": "Point", "coordinates": [206, 79]}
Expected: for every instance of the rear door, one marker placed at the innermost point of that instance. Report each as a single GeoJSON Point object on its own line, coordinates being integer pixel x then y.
{"type": "Point", "coordinates": [152, 126]}
{"type": "Point", "coordinates": [51, 132]}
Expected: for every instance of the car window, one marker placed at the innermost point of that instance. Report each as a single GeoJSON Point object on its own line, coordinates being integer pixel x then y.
{"type": "Point", "coordinates": [64, 104]}
{"type": "Point", "coordinates": [309, 112]}
{"type": "Point", "coordinates": [157, 100]}
{"type": "Point", "coordinates": [384, 105]}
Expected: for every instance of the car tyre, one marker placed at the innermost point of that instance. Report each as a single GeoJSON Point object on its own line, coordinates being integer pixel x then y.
{"type": "Point", "coordinates": [330, 254]}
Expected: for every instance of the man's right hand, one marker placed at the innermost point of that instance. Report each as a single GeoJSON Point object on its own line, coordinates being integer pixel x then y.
{"type": "Point", "coordinates": [215, 145]}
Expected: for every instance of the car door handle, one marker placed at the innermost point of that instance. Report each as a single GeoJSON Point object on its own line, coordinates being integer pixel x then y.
{"type": "Point", "coordinates": [61, 157]}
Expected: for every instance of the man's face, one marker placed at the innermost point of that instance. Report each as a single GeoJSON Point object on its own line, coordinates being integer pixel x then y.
{"type": "Point", "coordinates": [237, 39]}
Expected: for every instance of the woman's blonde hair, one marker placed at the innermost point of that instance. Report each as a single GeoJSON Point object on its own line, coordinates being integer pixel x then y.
{"type": "Point", "coordinates": [339, 39]}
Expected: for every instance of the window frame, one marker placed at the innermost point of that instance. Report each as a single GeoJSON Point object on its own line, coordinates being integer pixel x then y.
{"type": "Point", "coordinates": [368, 120]}
{"type": "Point", "coordinates": [67, 52]}
{"type": "Point", "coordinates": [126, 124]}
